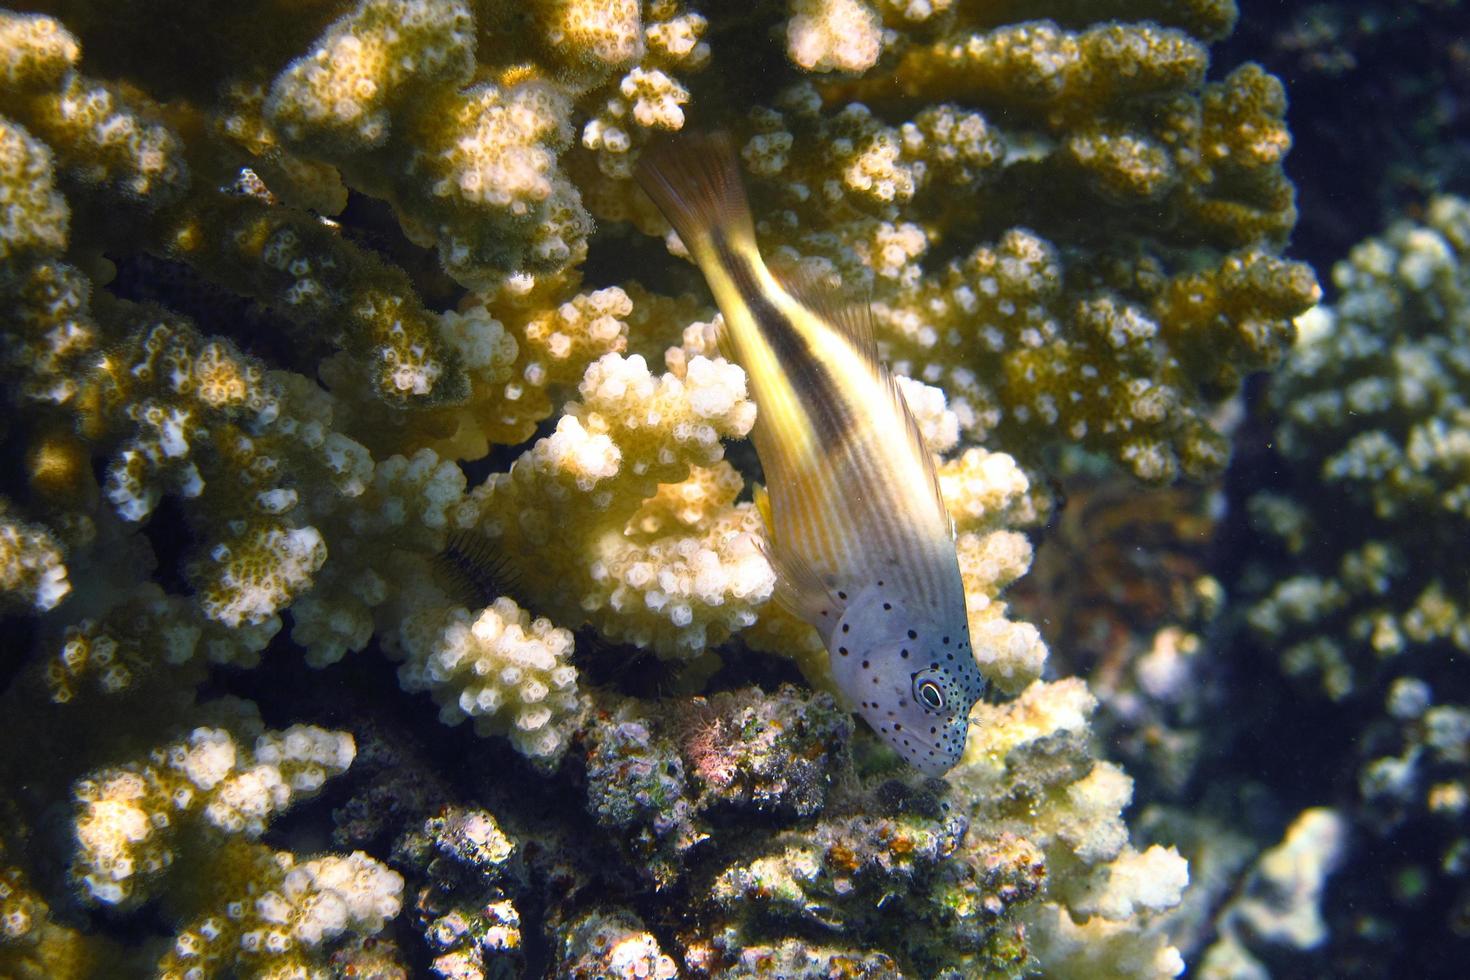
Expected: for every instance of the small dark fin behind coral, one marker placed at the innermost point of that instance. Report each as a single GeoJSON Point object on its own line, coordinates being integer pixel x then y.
{"type": "Point", "coordinates": [472, 570]}
{"type": "Point", "coordinates": [695, 181]}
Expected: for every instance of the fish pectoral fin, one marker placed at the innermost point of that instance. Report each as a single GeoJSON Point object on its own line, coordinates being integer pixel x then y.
{"type": "Point", "coordinates": [800, 588]}
{"type": "Point", "coordinates": [851, 316]}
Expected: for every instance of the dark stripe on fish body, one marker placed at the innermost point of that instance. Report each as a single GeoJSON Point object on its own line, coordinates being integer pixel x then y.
{"type": "Point", "coordinates": [883, 530]}
{"type": "Point", "coordinates": [807, 373]}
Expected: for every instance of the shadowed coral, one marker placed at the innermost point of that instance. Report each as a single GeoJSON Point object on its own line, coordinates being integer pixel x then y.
{"type": "Point", "coordinates": [33, 945]}
{"type": "Point", "coordinates": [31, 569]}
{"type": "Point", "coordinates": [470, 874]}
{"type": "Point", "coordinates": [1279, 903]}
{"type": "Point", "coordinates": [611, 944]}
{"type": "Point", "coordinates": [663, 788]}
{"type": "Point", "coordinates": [267, 914]}
{"type": "Point", "coordinates": [1359, 592]}
{"type": "Point", "coordinates": [519, 347]}
{"type": "Point", "coordinates": [35, 214]}
{"type": "Point", "coordinates": [1381, 425]}
{"type": "Point", "coordinates": [636, 787]}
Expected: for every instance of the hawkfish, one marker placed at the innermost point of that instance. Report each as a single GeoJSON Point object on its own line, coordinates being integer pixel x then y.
{"type": "Point", "coordinates": [858, 533]}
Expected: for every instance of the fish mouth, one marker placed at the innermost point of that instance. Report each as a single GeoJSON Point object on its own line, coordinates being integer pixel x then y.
{"type": "Point", "coordinates": [936, 761]}
{"type": "Point", "coordinates": [922, 744]}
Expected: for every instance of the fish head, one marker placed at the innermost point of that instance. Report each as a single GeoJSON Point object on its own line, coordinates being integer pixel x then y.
{"type": "Point", "coordinates": [910, 674]}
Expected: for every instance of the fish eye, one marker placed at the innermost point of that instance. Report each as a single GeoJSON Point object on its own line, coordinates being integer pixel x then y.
{"type": "Point", "coordinates": [930, 694]}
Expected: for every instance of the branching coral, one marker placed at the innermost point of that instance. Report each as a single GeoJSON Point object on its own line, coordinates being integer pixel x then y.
{"type": "Point", "coordinates": [465, 909]}
{"type": "Point", "coordinates": [1027, 771]}
{"type": "Point", "coordinates": [1123, 350]}
{"type": "Point", "coordinates": [33, 945]}
{"type": "Point", "coordinates": [268, 914]}
{"type": "Point", "coordinates": [1280, 902]}
{"type": "Point", "coordinates": [509, 673]}
{"type": "Point", "coordinates": [612, 944]}
{"type": "Point", "coordinates": [1373, 407]}
{"type": "Point", "coordinates": [590, 492]}
{"type": "Point", "coordinates": [31, 569]}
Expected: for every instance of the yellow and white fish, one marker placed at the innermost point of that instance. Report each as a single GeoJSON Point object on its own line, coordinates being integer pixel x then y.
{"type": "Point", "coordinates": [859, 535]}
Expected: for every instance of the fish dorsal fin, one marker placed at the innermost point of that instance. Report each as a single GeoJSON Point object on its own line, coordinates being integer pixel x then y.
{"type": "Point", "coordinates": [849, 315]}
{"type": "Point", "coordinates": [916, 439]}
{"type": "Point", "coordinates": [799, 587]}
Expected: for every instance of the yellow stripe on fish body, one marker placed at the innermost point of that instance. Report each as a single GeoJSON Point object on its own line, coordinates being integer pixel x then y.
{"type": "Point", "coordinates": [861, 540]}
{"type": "Point", "coordinates": [831, 427]}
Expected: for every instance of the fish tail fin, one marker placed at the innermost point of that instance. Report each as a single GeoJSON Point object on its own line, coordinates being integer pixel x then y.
{"type": "Point", "coordinates": [694, 179]}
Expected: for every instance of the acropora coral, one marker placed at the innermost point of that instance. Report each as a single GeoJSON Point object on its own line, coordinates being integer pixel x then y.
{"type": "Point", "coordinates": [341, 326]}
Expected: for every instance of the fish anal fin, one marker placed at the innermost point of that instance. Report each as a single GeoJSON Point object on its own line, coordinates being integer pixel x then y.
{"type": "Point", "coordinates": [851, 316]}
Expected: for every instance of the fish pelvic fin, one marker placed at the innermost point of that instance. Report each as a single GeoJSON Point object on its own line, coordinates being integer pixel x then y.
{"type": "Point", "coordinates": [694, 179]}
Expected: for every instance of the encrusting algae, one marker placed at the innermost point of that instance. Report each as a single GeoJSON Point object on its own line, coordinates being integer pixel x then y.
{"type": "Point", "coordinates": [298, 296]}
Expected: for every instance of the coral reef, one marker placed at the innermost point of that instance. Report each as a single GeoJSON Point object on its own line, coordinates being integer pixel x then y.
{"type": "Point", "coordinates": [1032, 330]}
{"type": "Point", "coordinates": [464, 907]}
{"type": "Point", "coordinates": [1358, 592]}
{"type": "Point", "coordinates": [612, 944]}
{"type": "Point", "coordinates": [739, 753]}
{"type": "Point", "coordinates": [508, 673]}
{"type": "Point", "coordinates": [339, 329]}
{"type": "Point", "coordinates": [1125, 592]}
{"type": "Point", "coordinates": [32, 944]}
{"type": "Point", "coordinates": [1373, 410]}
{"type": "Point", "coordinates": [132, 820]}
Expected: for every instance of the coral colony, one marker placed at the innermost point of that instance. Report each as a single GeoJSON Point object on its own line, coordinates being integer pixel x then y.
{"type": "Point", "coordinates": [340, 331]}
